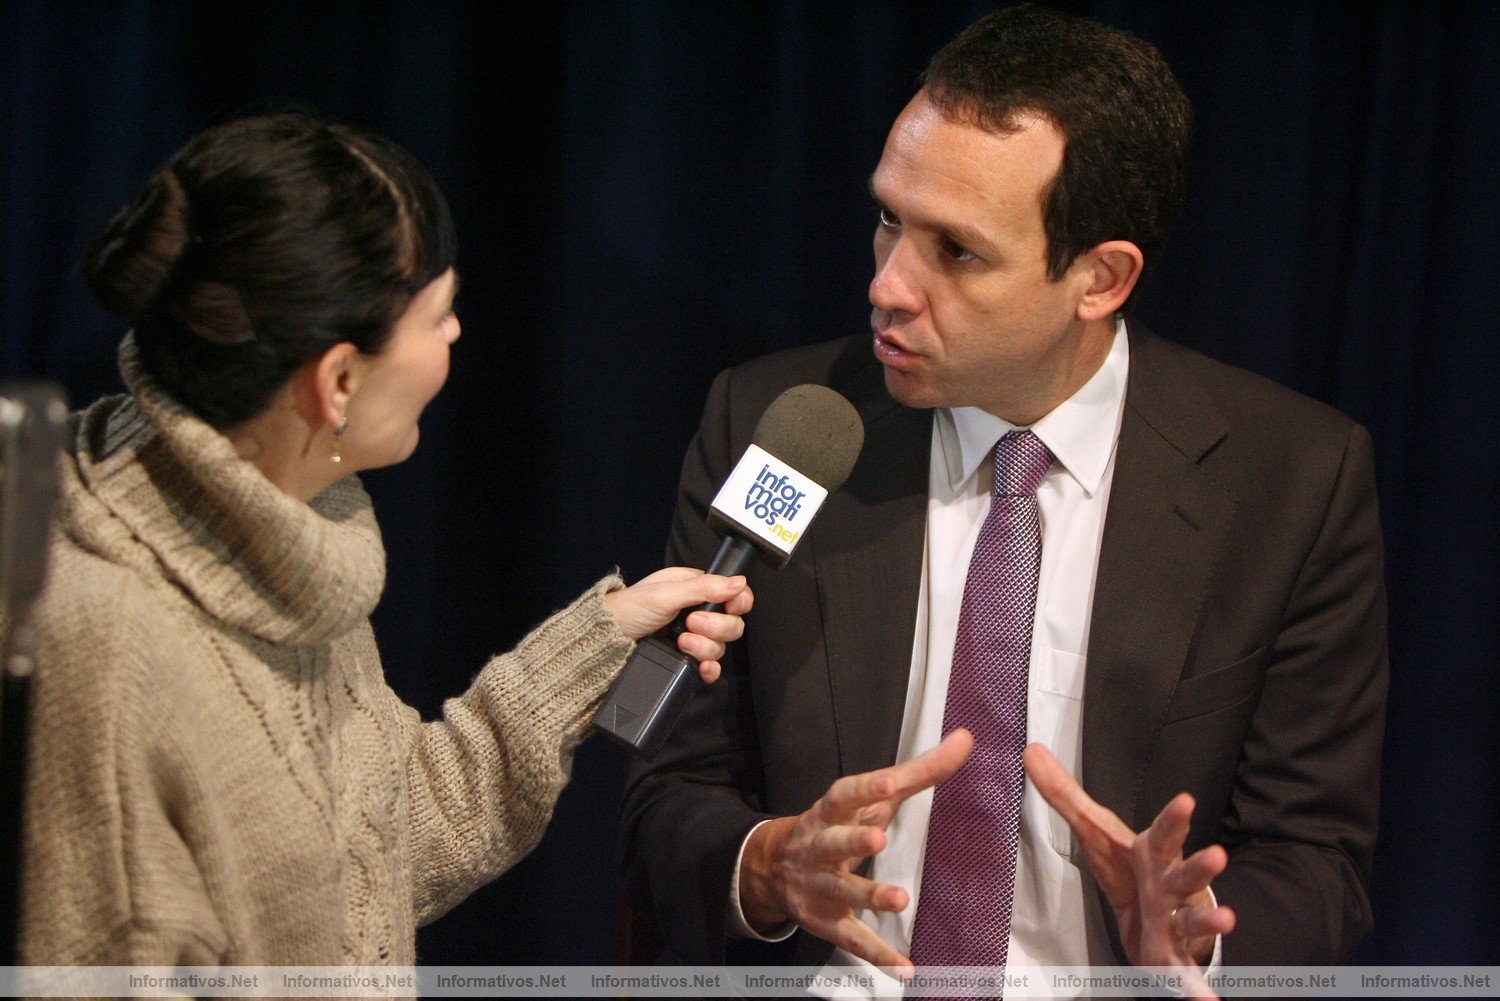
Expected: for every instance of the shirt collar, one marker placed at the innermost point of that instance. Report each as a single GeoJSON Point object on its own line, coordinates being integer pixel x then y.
{"type": "Point", "coordinates": [1080, 432]}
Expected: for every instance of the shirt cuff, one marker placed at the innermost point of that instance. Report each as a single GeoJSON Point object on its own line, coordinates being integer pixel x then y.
{"type": "Point", "coordinates": [736, 924]}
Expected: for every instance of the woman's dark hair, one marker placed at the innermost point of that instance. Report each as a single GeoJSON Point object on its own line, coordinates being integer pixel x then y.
{"type": "Point", "coordinates": [261, 244]}
{"type": "Point", "coordinates": [1124, 119]}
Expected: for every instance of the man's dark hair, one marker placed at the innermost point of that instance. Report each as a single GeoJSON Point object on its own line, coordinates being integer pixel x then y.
{"type": "Point", "coordinates": [1120, 110]}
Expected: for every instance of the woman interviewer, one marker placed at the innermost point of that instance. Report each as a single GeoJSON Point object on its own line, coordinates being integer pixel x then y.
{"type": "Point", "coordinates": [220, 774]}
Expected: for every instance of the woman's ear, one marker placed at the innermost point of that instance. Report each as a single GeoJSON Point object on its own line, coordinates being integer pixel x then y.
{"type": "Point", "coordinates": [1114, 267]}
{"type": "Point", "coordinates": [335, 377]}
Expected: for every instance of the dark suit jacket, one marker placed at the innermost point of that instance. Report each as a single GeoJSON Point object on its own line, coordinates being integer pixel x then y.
{"type": "Point", "coordinates": [1237, 648]}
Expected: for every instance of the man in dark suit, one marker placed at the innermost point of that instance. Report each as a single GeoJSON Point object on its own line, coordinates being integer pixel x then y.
{"type": "Point", "coordinates": [1202, 609]}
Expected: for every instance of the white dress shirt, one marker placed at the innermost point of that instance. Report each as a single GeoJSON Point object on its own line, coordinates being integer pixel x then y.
{"type": "Point", "coordinates": [1054, 920]}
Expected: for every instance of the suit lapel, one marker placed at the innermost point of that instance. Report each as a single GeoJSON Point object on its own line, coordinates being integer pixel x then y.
{"type": "Point", "coordinates": [868, 552]}
{"type": "Point", "coordinates": [1162, 537]}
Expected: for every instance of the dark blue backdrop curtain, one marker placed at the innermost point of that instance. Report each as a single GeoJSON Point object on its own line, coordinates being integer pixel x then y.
{"type": "Point", "coordinates": [648, 192]}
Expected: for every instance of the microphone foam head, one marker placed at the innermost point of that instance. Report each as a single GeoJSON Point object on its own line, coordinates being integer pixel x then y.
{"type": "Point", "coordinates": [815, 431]}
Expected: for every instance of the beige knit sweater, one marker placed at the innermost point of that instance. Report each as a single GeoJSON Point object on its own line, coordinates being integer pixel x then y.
{"type": "Point", "coordinates": [220, 773]}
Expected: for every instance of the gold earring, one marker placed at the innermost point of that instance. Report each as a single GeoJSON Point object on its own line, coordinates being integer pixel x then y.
{"type": "Point", "coordinates": [338, 433]}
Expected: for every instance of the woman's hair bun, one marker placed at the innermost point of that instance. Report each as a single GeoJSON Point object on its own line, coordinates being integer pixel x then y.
{"type": "Point", "coordinates": [133, 257]}
{"type": "Point", "coordinates": [263, 243]}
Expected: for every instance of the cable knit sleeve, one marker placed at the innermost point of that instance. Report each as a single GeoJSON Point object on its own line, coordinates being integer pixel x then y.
{"type": "Point", "coordinates": [483, 780]}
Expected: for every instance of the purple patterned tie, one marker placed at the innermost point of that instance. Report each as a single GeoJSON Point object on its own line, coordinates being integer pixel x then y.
{"type": "Point", "coordinates": [968, 877]}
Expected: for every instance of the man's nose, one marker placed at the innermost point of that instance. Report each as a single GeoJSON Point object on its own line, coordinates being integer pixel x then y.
{"type": "Point", "coordinates": [894, 288]}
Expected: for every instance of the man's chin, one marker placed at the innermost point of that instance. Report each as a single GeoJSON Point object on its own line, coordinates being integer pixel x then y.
{"type": "Point", "coordinates": [910, 391]}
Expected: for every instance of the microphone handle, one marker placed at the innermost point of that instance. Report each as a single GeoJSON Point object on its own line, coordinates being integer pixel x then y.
{"type": "Point", "coordinates": [734, 555]}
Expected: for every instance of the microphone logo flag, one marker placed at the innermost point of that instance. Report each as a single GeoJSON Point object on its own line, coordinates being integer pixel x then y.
{"type": "Point", "coordinates": [769, 500]}
{"type": "Point", "coordinates": [771, 496]}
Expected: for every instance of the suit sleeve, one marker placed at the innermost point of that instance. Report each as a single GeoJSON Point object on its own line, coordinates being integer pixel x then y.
{"type": "Point", "coordinates": [687, 812]}
{"type": "Point", "coordinates": [1301, 824]}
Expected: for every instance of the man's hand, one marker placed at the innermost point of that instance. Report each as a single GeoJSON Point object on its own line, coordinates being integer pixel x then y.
{"type": "Point", "coordinates": [1160, 899]}
{"type": "Point", "coordinates": [802, 868]}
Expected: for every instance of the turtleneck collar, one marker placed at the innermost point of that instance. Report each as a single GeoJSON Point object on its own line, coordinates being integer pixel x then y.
{"type": "Point", "coordinates": [152, 486]}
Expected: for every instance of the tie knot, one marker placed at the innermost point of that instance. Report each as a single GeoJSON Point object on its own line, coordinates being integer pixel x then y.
{"type": "Point", "coordinates": [1021, 460]}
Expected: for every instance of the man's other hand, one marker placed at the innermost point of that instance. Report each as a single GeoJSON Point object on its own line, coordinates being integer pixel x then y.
{"type": "Point", "coordinates": [802, 868]}
{"type": "Point", "coordinates": [1160, 899]}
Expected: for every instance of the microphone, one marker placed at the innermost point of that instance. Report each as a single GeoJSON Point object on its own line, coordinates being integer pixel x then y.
{"type": "Point", "coordinates": [803, 449]}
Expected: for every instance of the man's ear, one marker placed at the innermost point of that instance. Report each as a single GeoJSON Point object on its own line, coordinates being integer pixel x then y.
{"type": "Point", "coordinates": [1113, 268]}
{"type": "Point", "coordinates": [333, 379]}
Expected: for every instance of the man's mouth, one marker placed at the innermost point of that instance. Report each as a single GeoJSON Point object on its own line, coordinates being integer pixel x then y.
{"type": "Point", "coordinates": [889, 351]}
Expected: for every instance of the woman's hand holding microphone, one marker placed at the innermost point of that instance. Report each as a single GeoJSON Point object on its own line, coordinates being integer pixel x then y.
{"type": "Point", "coordinates": [652, 602]}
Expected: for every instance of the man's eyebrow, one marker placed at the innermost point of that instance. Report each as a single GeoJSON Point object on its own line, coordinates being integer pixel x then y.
{"type": "Point", "coordinates": [959, 232]}
{"type": "Point", "coordinates": [970, 238]}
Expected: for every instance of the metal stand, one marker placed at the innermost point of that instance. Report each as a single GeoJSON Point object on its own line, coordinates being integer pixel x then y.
{"type": "Point", "coordinates": [32, 421]}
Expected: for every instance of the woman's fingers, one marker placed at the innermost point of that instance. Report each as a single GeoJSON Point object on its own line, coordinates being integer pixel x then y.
{"type": "Point", "coordinates": [656, 600]}
{"type": "Point", "coordinates": [709, 633]}
{"type": "Point", "coordinates": [721, 627]}
{"type": "Point", "coordinates": [741, 603]}
{"type": "Point", "coordinates": [669, 575]}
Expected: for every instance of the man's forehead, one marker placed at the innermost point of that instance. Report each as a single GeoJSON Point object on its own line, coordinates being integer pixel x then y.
{"type": "Point", "coordinates": [932, 154]}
